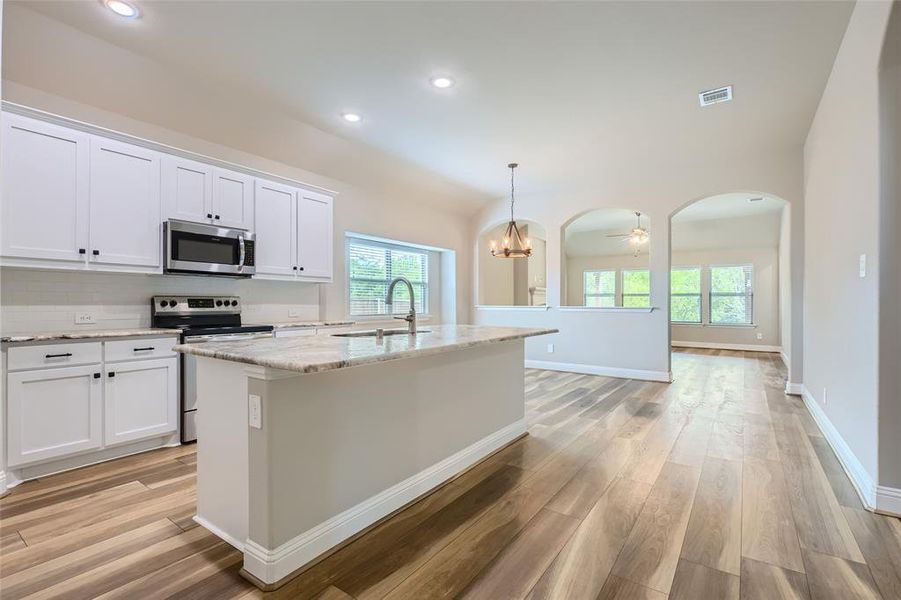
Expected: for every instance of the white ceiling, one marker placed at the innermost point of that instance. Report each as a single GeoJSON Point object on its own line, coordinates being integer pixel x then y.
{"type": "Point", "coordinates": [570, 90]}
{"type": "Point", "coordinates": [729, 206]}
{"type": "Point", "coordinates": [608, 219]}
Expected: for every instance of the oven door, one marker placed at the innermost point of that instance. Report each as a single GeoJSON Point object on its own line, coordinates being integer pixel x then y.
{"type": "Point", "coordinates": [199, 248]}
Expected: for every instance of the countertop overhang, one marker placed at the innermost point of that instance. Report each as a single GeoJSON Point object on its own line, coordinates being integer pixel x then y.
{"type": "Point", "coordinates": [325, 352]}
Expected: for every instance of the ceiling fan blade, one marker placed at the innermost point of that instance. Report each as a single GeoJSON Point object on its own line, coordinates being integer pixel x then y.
{"type": "Point", "coordinates": [618, 234]}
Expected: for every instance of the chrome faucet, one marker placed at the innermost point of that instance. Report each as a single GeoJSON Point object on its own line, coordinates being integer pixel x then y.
{"type": "Point", "coordinates": [389, 302]}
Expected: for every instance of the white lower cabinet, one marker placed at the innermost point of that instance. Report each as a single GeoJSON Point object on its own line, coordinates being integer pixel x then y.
{"type": "Point", "coordinates": [54, 413]}
{"type": "Point", "coordinates": [141, 400]}
{"type": "Point", "coordinates": [57, 411]}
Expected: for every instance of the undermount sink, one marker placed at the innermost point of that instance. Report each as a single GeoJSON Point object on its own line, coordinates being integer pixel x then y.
{"type": "Point", "coordinates": [375, 333]}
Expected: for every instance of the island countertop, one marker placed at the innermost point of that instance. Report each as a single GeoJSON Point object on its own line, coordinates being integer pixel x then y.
{"type": "Point", "coordinates": [324, 352]}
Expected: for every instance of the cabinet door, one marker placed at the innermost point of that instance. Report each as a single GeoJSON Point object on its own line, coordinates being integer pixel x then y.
{"type": "Point", "coordinates": [141, 399]}
{"type": "Point", "coordinates": [44, 189]}
{"type": "Point", "coordinates": [53, 413]}
{"type": "Point", "coordinates": [187, 190]}
{"type": "Point", "coordinates": [314, 235]}
{"type": "Point", "coordinates": [232, 199]}
{"type": "Point", "coordinates": [275, 208]}
{"type": "Point", "coordinates": [126, 222]}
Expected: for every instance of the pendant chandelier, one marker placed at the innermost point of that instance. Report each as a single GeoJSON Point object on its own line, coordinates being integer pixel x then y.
{"type": "Point", "coordinates": [513, 244]}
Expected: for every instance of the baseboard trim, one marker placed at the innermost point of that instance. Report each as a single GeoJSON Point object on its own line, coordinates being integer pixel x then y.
{"type": "Point", "coordinates": [218, 532]}
{"type": "Point", "coordinates": [861, 480]}
{"type": "Point", "coordinates": [888, 500]}
{"type": "Point", "coordinates": [664, 376]}
{"type": "Point", "coordinates": [272, 566]}
{"type": "Point", "coordinates": [784, 359]}
{"type": "Point", "coordinates": [794, 389]}
{"type": "Point", "coordinates": [718, 346]}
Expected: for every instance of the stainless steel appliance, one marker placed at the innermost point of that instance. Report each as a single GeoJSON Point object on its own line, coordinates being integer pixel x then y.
{"type": "Point", "coordinates": [209, 250]}
{"type": "Point", "coordinates": [201, 319]}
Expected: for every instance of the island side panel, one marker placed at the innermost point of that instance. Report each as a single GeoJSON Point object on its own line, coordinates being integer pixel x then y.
{"type": "Point", "coordinates": [222, 453]}
{"type": "Point", "coordinates": [345, 448]}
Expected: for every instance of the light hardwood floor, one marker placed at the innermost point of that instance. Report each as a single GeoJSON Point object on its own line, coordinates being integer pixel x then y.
{"type": "Point", "coordinates": [716, 486]}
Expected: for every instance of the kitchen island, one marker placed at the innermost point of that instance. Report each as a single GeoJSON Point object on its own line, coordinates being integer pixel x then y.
{"type": "Point", "coordinates": [305, 442]}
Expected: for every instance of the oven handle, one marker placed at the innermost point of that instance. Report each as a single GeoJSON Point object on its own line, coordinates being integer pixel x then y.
{"type": "Point", "coordinates": [241, 246]}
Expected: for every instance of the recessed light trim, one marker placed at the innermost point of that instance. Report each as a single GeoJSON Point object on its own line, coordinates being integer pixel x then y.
{"type": "Point", "coordinates": [122, 8]}
{"type": "Point", "coordinates": [442, 82]}
{"type": "Point", "coordinates": [351, 117]}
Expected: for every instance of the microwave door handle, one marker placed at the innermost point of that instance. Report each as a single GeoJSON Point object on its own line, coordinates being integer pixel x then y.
{"type": "Point", "coordinates": [241, 247]}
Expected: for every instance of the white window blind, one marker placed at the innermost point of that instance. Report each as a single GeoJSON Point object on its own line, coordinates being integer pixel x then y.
{"type": "Point", "coordinates": [685, 295]}
{"type": "Point", "coordinates": [637, 288]}
{"type": "Point", "coordinates": [599, 288]}
{"type": "Point", "coordinates": [731, 295]}
{"type": "Point", "coordinates": [371, 267]}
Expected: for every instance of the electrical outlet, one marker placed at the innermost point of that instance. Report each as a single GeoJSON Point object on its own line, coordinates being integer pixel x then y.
{"type": "Point", "coordinates": [84, 318]}
{"type": "Point", "coordinates": [825, 401]}
{"type": "Point", "coordinates": [759, 336]}
{"type": "Point", "coordinates": [550, 348]}
{"type": "Point", "coordinates": [293, 312]}
{"type": "Point", "coordinates": [255, 412]}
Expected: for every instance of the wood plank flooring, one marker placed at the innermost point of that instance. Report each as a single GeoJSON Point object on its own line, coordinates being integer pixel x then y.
{"type": "Point", "coordinates": [715, 486]}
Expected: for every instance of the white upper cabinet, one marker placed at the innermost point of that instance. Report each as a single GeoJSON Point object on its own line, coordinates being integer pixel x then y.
{"type": "Point", "coordinates": [275, 209]}
{"type": "Point", "coordinates": [126, 216]}
{"type": "Point", "coordinates": [314, 235]}
{"type": "Point", "coordinates": [187, 190]}
{"type": "Point", "coordinates": [45, 190]}
{"type": "Point", "coordinates": [232, 204]}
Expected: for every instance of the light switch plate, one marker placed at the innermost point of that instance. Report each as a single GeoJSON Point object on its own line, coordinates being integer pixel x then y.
{"type": "Point", "coordinates": [255, 411]}
{"type": "Point", "coordinates": [550, 348]}
{"type": "Point", "coordinates": [84, 318]}
{"type": "Point", "coordinates": [863, 266]}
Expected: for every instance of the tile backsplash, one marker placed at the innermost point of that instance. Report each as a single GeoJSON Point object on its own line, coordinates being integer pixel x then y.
{"type": "Point", "coordinates": [44, 301]}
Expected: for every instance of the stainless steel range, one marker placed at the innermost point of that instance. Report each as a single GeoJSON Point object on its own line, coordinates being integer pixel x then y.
{"type": "Point", "coordinates": [201, 319]}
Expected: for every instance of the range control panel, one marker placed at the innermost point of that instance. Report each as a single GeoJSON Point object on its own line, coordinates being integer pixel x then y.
{"type": "Point", "coordinates": [169, 305]}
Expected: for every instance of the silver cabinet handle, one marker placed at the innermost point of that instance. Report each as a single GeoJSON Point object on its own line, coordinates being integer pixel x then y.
{"type": "Point", "coordinates": [241, 246]}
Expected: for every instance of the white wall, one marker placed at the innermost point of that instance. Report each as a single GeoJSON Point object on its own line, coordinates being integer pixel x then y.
{"type": "Point", "coordinates": [890, 267]}
{"type": "Point", "coordinates": [90, 80]}
{"type": "Point", "coordinates": [785, 279]}
{"type": "Point", "coordinates": [637, 341]}
{"type": "Point", "coordinates": [842, 197]}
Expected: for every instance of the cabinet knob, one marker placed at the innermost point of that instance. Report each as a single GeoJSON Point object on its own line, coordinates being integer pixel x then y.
{"type": "Point", "coordinates": [82, 251]}
{"type": "Point", "coordinates": [209, 215]}
{"type": "Point", "coordinates": [295, 268]}
{"type": "Point", "coordinates": [301, 268]}
{"type": "Point", "coordinates": [111, 374]}
{"type": "Point", "coordinates": [95, 252]}
{"type": "Point", "coordinates": [96, 375]}
{"type": "Point", "coordinates": [216, 217]}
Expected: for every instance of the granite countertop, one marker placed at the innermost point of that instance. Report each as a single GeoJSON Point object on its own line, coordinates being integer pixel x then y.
{"type": "Point", "coordinates": [87, 334]}
{"type": "Point", "coordinates": [310, 324]}
{"type": "Point", "coordinates": [315, 354]}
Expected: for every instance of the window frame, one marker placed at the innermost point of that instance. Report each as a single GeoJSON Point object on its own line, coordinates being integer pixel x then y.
{"type": "Point", "coordinates": [388, 246]}
{"type": "Point", "coordinates": [612, 295]}
{"type": "Point", "coordinates": [623, 295]}
{"type": "Point", "coordinates": [748, 295]}
{"type": "Point", "coordinates": [700, 295]}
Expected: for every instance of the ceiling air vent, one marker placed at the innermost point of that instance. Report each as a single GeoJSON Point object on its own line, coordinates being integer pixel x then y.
{"type": "Point", "coordinates": [723, 94]}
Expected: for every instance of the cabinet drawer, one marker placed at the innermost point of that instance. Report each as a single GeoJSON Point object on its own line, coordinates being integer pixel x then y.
{"type": "Point", "coordinates": [53, 355]}
{"type": "Point", "coordinates": [139, 348]}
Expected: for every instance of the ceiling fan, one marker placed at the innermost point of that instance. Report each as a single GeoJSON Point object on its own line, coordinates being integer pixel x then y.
{"type": "Point", "coordinates": [637, 237]}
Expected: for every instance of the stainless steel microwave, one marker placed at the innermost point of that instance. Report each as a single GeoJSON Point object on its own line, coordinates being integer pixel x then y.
{"type": "Point", "coordinates": [208, 249]}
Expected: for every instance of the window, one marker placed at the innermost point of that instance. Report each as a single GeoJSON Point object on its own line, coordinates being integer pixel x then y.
{"type": "Point", "coordinates": [599, 288]}
{"type": "Point", "coordinates": [372, 265]}
{"type": "Point", "coordinates": [731, 295]}
{"type": "Point", "coordinates": [637, 288]}
{"type": "Point", "coordinates": [685, 295]}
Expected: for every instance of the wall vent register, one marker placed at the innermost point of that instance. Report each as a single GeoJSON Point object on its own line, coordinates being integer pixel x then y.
{"type": "Point", "coordinates": [723, 94]}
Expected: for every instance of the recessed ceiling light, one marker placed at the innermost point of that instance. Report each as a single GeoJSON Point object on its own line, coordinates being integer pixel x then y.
{"type": "Point", "coordinates": [442, 82]}
{"type": "Point", "coordinates": [351, 117]}
{"type": "Point", "coordinates": [122, 8]}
